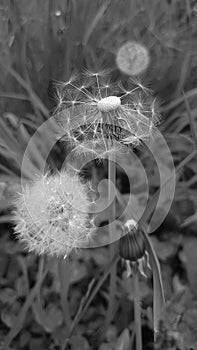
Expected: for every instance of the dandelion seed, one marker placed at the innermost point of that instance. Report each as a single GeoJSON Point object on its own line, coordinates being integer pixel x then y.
{"type": "Point", "coordinates": [51, 215]}
{"type": "Point", "coordinates": [132, 58]}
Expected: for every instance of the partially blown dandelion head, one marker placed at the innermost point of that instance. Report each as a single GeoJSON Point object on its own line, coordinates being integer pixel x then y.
{"type": "Point", "coordinates": [97, 116]}
{"type": "Point", "coordinates": [51, 215]}
{"type": "Point", "coordinates": [132, 58]}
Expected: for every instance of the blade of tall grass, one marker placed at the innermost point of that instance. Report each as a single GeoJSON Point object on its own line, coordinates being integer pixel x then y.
{"type": "Point", "coordinates": [4, 219]}
{"type": "Point", "coordinates": [179, 100]}
{"type": "Point", "coordinates": [8, 138]}
{"type": "Point", "coordinates": [153, 200]}
{"type": "Point", "coordinates": [190, 220]}
{"type": "Point", "coordinates": [34, 98]}
{"type": "Point", "coordinates": [91, 26]}
{"type": "Point", "coordinates": [14, 95]}
{"type": "Point", "coordinates": [191, 120]}
{"type": "Point", "coordinates": [184, 72]}
{"type": "Point", "coordinates": [158, 293]}
{"type": "Point", "coordinates": [35, 152]}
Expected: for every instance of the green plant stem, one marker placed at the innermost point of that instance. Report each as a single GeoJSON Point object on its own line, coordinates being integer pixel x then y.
{"type": "Point", "coordinates": [137, 310]}
{"type": "Point", "coordinates": [111, 200]}
{"type": "Point", "coordinates": [112, 247]}
{"type": "Point", "coordinates": [64, 274]}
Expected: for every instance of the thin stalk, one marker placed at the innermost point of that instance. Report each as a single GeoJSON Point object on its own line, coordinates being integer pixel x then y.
{"type": "Point", "coordinates": [179, 100]}
{"type": "Point", "coordinates": [64, 274]}
{"type": "Point", "coordinates": [137, 310]}
{"type": "Point", "coordinates": [112, 247]}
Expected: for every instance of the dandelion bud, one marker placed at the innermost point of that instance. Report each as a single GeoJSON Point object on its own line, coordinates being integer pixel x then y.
{"type": "Point", "coordinates": [132, 58]}
{"type": "Point", "coordinates": [51, 215]}
{"type": "Point", "coordinates": [131, 245]}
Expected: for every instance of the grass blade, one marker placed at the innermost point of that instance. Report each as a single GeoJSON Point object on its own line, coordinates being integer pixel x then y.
{"type": "Point", "coordinates": [158, 293]}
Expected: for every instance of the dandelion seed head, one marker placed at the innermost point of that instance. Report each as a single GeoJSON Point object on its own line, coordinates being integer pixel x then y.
{"type": "Point", "coordinates": [132, 58]}
{"type": "Point", "coordinates": [101, 113]}
{"type": "Point", "coordinates": [51, 215]}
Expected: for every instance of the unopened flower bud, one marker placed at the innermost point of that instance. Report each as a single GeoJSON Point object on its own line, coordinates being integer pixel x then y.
{"type": "Point", "coordinates": [131, 245]}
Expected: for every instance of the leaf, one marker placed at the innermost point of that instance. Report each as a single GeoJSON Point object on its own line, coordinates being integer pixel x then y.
{"type": "Point", "coordinates": [49, 318]}
{"type": "Point", "coordinates": [165, 249]}
{"type": "Point", "coordinates": [123, 342]}
{"type": "Point", "coordinates": [91, 26]}
{"type": "Point", "coordinates": [8, 317]}
{"type": "Point", "coordinates": [190, 249]}
{"type": "Point", "coordinates": [158, 293]}
{"type": "Point", "coordinates": [179, 319]}
{"type": "Point", "coordinates": [77, 271]}
{"type": "Point", "coordinates": [78, 342]}
{"type": "Point", "coordinates": [190, 220]}
{"type": "Point", "coordinates": [8, 296]}
{"type": "Point", "coordinates": [25, 338]}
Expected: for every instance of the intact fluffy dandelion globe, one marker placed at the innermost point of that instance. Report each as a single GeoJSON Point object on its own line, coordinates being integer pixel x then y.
{"type": "Point", "coordinates": [97, 116]}
{"type": "Point", "coordinates": [132, 58]}
{"type": "Point", "coordinates": [51, 215]}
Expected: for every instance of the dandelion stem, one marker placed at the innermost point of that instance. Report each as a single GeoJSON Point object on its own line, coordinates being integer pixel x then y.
{"type": "Point", "coordinates": [112, 247]}
{"type": "Point", "coordinates": [64, 273]}
{"type": "Point", "coordinates": [137, 311]}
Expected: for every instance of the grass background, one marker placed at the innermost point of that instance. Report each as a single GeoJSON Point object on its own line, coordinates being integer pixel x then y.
{"type": "Point", "coordinates": [42, 41]}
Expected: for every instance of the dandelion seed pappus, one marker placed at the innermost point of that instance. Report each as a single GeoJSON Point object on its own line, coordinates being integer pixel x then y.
{"type": "Point", "coordinates": [98, 111]}
{"type": "Point", "coordinates": [88, 132]}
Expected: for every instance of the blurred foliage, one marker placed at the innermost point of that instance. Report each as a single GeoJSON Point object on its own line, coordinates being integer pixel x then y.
{"type": "Point", "coordinates": [43, 302]}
